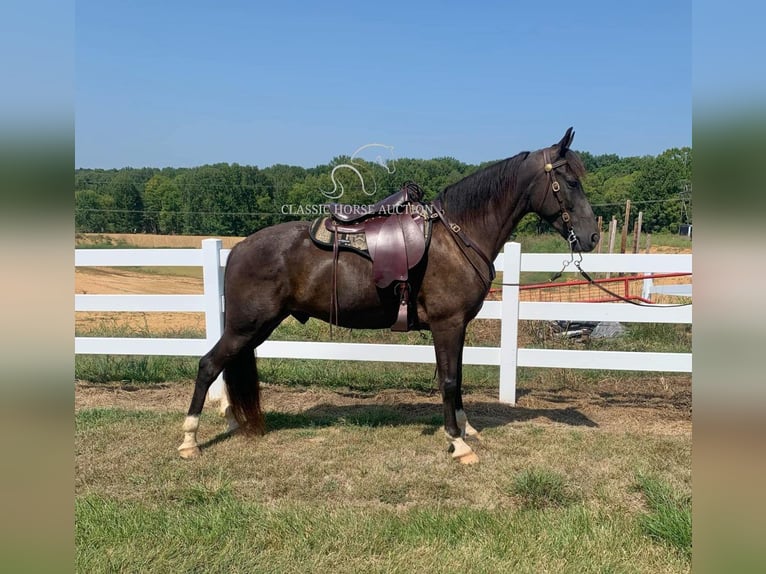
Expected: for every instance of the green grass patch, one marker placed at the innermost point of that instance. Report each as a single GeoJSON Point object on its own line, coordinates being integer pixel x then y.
{"type": "Point", "coordinates": [114, 328]}
{"type": "Point", "coordinates": [369, 488]}
{"type": "Point", "coordinates": [222, 534]}
{"type": "Point", "coordinates": [99, 242]}
{"type": "Point", "coordinates": [637, 337]}
{"type": "Point", "coordinates": [88, 419]}
{"type": "Point", "coordinates": [542, 243]}
{"type": "Point", "coordinates": [540, 488]}
{"type": "Point", "coordinates": [670, 514]}
{"type": "Point", "coordinates": [134, 369]}
{"type": "Point", "coordinates": [670, 240]}
{"type": "Point", "coordinates": [194, 271]}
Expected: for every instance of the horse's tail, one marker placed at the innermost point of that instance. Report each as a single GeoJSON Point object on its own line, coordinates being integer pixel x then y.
{"type": "Point", "coordinates": [241, 377]}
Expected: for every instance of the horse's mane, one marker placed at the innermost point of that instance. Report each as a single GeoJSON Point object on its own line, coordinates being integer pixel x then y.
{"type": "Point", "coordinates": [474, 193]}
{"type": "Point", "coordinates": [473, 196]}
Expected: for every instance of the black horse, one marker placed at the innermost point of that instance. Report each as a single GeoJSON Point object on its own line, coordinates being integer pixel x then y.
{"type": "Point", "coordinates": [279, 271]}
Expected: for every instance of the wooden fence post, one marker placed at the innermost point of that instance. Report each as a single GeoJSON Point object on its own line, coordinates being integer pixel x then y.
{"type": "Point", "coordinates": [637, 231]}
{"type": "Point", "coordinates": [509, 322]}
{"type": "Point", "coordinates": [612, 234]}
{"type": "Point", "coordinates": [600, 234]}
{"type": "Point", "coordinates": [212, 279]}
{"type": "Point", "coordinates": [624, 238]}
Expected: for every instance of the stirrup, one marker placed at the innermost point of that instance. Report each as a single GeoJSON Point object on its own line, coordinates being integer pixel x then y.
{"type": "Point", "coordinates": [402, 318]}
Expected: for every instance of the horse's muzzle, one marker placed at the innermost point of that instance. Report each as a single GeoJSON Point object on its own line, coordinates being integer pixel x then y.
{"type": "Point", "coordinates": [586, 244]}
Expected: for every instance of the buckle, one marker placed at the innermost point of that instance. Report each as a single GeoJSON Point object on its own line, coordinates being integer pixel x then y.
{"type": "Point", "coordinates": [454, 227]}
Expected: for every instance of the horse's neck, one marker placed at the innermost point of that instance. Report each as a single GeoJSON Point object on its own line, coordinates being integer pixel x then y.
{"type": "Point", "coordinates": [491, 232]}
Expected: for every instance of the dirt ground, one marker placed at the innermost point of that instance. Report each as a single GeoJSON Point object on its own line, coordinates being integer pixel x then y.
{"type": "Point", "coordinates": [116, 280]}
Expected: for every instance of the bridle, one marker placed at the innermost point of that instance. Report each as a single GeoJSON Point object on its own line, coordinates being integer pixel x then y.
{"type": "Point", "coordinates": [572, 236]}
{"type": "Point", "coordinates": [556, 188]}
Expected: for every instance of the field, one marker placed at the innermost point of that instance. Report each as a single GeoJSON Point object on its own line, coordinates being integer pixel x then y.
{"type": "Point", "coordinates": [589, 472]}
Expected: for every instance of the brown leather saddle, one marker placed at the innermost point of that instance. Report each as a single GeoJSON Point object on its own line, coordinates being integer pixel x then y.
{"type": "Point", "coordinates": [394, 234]}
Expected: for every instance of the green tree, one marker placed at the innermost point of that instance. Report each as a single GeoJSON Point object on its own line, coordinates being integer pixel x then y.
{"type": "Point", "coordinates": [128, 206]}
{"type": "Point", "coordinates": [93, 211]}
{"type": "Point", "coordinates": [153, 203]}
{"type": "Point", "coordinates": [661, 188]}
{"type": "Point", "coordinates": [226, 200]}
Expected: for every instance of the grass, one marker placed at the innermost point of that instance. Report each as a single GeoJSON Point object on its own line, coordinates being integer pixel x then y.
{"type": "Point", "coordinates": [670, 514]}
{"type": "Point", "coordinates": [99, 241]}
{"type": "Point", "coordinates": [540, 488]}
{"type": "Point", "coordinates": [222, 535]}
{"type": "Point", "coordinates": [670, 240]}
{"type": "Point", "coordinates": [372, 492]}
{"type": "Point", "coordinates": [134, 369]}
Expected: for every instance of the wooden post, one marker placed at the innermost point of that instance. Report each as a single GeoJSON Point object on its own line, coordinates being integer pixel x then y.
{"type": "Point", "coordinates": [612, 234]}
{"type": "Point", "coordinates": [637, 231]}
{"type": "Point", "coordinates": [648, 245]}
{"type": "Point", "coordinates": [624, 238]}
{"type": "Point", "coordinates": [600, 224]}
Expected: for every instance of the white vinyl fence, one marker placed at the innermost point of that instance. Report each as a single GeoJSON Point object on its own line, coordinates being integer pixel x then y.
{"type": "Point", "coordinates": [212, 258]}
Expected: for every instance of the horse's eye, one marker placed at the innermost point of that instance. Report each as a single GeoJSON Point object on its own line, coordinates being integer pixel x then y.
{"type": "Point", "coordinates": [573, 183]}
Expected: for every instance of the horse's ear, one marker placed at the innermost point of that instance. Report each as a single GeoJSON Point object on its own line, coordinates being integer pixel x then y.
{"type": "Point", "coordinates": [566, 141]}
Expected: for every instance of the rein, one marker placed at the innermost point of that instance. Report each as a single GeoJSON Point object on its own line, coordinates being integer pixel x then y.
{"type": "Point", "coordinates": [465, 244]}
{"type": "Point", "coordinates": [578, 263]}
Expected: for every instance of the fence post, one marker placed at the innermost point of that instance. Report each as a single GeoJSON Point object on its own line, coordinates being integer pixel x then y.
{"type": "Point", "coordinates": [647, 288]}
{"type": "Point", "coordinates": [212, 279]}
{"type": "Point", "coordinates": [509, 322]}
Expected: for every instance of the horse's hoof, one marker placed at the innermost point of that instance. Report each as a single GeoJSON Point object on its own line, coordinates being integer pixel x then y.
{"type": "Point", "coordinates": [468, 458]}
{"type": "Point", "coordinates": [462, 453]}
{"type": "Point", "coordinates": [189, 452]}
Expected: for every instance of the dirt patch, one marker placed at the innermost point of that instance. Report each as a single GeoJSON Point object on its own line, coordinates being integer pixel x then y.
{"type": "Point", "coordinates": [116, 280]}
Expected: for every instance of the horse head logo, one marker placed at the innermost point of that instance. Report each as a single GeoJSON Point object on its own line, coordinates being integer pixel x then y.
{"type": "Point", "coordinates": [384, 159]}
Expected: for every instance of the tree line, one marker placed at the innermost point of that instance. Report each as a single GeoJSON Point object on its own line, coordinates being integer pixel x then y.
{"type": "Point", "coordinates": [236, 200]}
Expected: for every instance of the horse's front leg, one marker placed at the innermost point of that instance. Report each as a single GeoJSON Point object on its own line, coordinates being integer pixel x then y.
{"type": "Point", "coordinates": [448, 343]}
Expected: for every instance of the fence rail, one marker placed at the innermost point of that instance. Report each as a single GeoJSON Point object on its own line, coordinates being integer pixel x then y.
{"type": "Point", "coordinates": [508, 356]}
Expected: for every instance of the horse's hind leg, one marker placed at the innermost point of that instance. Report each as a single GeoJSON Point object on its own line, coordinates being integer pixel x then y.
{"type": "Point", "coordinates": [210, 366]}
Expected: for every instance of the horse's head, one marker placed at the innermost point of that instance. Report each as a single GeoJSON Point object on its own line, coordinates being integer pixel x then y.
{"type": "Point", "coordinates": [558, 197]}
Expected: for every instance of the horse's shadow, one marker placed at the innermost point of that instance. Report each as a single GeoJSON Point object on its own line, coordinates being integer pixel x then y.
{"type": "Point", "coordinates": [483, 415]}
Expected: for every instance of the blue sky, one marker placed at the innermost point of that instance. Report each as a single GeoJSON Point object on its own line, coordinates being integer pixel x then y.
{"type": "Point", "coordinates": [187, 83]}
